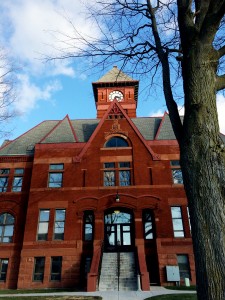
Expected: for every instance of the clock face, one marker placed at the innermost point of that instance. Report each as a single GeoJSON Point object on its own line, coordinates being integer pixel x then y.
{"type": "Point", "coordinates": [116, 95]}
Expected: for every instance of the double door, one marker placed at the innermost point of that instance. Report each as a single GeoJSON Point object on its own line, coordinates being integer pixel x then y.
{"type": "Point", "coordinates": [118, 237]}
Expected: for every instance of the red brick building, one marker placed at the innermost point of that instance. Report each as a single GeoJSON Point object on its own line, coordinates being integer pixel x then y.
{"type": "Point", "coordinates": [71, 190]}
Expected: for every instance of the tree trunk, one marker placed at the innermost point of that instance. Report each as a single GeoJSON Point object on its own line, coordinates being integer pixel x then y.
{"type": "Point", "coordinates": [203, 166]}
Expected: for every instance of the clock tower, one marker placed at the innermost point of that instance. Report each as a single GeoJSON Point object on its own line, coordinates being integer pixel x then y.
{"type": "Point", "coordinates": [116, 85]}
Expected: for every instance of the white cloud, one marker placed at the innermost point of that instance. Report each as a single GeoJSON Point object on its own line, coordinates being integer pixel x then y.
{"type": "Point", "coordinates": [30, 94]}
{"type": "Point", "coordinates": [35, 28]}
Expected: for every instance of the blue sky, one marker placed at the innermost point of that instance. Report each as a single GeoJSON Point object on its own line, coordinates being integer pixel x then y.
{"type": "Point", "coordinates": [29, 28]}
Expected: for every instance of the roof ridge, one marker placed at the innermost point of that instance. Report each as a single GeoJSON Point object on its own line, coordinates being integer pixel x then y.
{"type": "Point", "coordinates": [72, 129]}
{"type": "Point", "coordinates": [160, 126]}
{"type": "Point", "coordinates": [59, 121]}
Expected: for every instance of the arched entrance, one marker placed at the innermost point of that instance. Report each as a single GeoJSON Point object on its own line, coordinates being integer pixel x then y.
{"type": "Point", "coordinates": [119, 228]}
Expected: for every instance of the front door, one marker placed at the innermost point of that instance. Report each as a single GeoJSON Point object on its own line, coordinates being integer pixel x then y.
{"type": "Point", "coordinates": [118, 231]}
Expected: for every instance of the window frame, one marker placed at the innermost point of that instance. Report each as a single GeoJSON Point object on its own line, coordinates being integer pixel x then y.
{"type": "Point", "coordinates": [57, 222]}
{"type": "Point", "coordinates": [56, 274]}
{"type": "Point", "coordinates": [41, 267]}
{"type": "Point", "coordinates": [116, 140]}
{"type": "Point", "coordinates": [116, 170]}
{"type": "Point", "coordinates": [2, 272]}
{"type": "Point", "coordinates": [4, 176]}
{"type": "Point", "coordinates": [174, 221]}
{"type": "Point", "coordinates": [5, 224]}
{"type": "Point", "coordinates": [182, 270]}
{"type": "Point", "coordinates": [146, 222]}
{"type": "Point", "coordinates": [88, 214]}
{"type": "Point", "coordinates": [177, 176]}
{"type": "Point", "coordinates": [39, 235]}
{"type": "Point", "coordinates": [55, 170]}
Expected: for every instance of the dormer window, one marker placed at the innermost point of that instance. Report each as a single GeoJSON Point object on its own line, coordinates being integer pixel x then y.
{"type": "Point", "coordinates": [115, 142]}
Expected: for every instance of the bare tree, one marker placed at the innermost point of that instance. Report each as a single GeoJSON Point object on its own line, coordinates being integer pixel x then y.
{"type": "Point", "coordinates": [7, 92]}
{"type": "Point", "coordinates": [152, 37]}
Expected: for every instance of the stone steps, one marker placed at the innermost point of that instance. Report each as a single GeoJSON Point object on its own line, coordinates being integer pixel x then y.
{"type": "Point", "coordinates": [109, 272]}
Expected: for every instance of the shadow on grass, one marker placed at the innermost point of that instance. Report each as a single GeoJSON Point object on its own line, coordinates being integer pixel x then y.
{"type": "Point", "coordinates": [174, 297]}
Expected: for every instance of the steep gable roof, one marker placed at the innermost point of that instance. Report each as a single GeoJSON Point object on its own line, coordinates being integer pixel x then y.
{"type": "Point", "coordinates": [24, 144]}
{"type": "Point", "coordinates": [115, 75]}
{"type": "Point", "coordinates": [63, 132]}
{"type": "Point", "coordinates": [115, 106]}
{"type": "Point", "coordinates": [165, 130]}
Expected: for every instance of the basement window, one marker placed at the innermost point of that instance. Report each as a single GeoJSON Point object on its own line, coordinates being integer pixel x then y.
{"type": "Point", "coordinates": [56, 268]}
{"type": "Point", "coordinates": [4, 262]}
{"type": "Point", "coordinates": [39, 267]}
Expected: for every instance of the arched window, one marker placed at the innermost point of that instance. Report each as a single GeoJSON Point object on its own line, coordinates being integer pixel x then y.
{"type": "Point", "coordinates": [6, 228]}
{"type": "Point", "coordinates": [116, 142]}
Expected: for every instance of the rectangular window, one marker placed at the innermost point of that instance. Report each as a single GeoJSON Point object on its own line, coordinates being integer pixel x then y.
{"type": "Point", "coordinates": [109, 174]}
{"type": "Point", "coordinates": [178, 228]}
{"type": "Point", "coordinates": [39, 267]}
{"type": "Point", "coordinates": [4, 179]}
{"type": "Point", "coordinates": [55, 178]}
{"type": "Point", "coordinates": [124, 173]}
{"type": "Point", "coordinates": [17, 184]}
{"type": "Point", "coordinates": [56, 268]}
{"type": "Point", "coordinates": [43, 225]}
{"type": "Point", "coordinates": [59, 224]}
{"type": "Point", "coordinates": [3, 268]}
{"type": "Point", "coordinates": [148, 226]}
{"type": "Point", "coordinates": [184, 267]}
{"type": "Point", "coordinates": [117, 174]}
{"type": "Point", "coordinates": [88, 225]}
{"type": "Point", "coordinates": [18, 180]}
{"type": "Point", "coordinates": [176, 172]}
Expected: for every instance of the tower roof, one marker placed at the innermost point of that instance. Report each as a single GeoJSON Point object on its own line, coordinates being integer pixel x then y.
{"type": "Point", "coordinates": [115, 78]}
{"type": "Point", "coordinates": [115, 75]}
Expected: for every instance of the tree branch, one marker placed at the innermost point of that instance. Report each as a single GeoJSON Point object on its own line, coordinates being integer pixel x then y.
{"type": "Point", "coordinates": [221, 51]}
{"type": "Point", "coordinates": [220, 82]}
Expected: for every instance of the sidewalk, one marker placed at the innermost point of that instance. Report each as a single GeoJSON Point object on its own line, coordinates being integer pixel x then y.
{"type": "Point", "coordinates": [111, 295]}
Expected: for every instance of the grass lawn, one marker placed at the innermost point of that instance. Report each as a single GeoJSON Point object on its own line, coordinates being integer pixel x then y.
{"type": "Point", "coordinates": [173, 297]}
{"type": "Point", "coordinates": [38, 291]}
{"type": "Point", "coordinates": [54, 298]}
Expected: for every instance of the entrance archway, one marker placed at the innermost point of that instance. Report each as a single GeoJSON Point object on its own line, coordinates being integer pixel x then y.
{"type": "Point", "coordinates": [119, 228]}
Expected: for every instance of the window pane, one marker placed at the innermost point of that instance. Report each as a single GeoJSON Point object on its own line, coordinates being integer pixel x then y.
{"type": "Point", "coordinates": [55, 180]}
{"type": "Point", "coordinates": [109, 178]}
{"type": "Point", "coordinates": [19, 171]}
{"type": "Point", "coordinates": [17, 184]}
{"type": "Point", "coordinates": [9, 219]}
{"type": "Point", "coordinates": [116, 142]}
{"type": "Point", "coordinates": [124, 164]}
{"type": "Point", "coordinates": [3, 269]}
{"type": "Point", "coordinates": [4, 171]}
{"type": "Point", "coordinates": [56, 268]}
{"type": "Point", "coordinates": [3, 184]}
{"type": "Point", "coordinates": [44, 215]}
{"type": "Point", "coordinates": [175, 163]}
{"type": "Point", "coordinates": [124, 177]}
{"type": "Point", "coordinates": [60, 214]}
{"type": "Point", "coordinates": [43, 227]}
{"type": "Point", "coordinates": [56, 167]}
{"type": "Point", "coordinates": [177, 221]}
{"type": "Point", "coordinates": [110, 165]}
{"type": "Point", "coordinates": [6, 228]}
{"type": "Point", "coordinates": [88, 232]}
{"type": "Point", "coordinates": [184, 267]}
{"type": "Point", "coordinates": [39, 265]}
{"type": "Point", "coordinates": [177, 176]}
{"type": "Point", "coordinates": [176, 212]}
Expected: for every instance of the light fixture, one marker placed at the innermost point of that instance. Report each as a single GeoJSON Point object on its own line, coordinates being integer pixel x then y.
{"type": "Point", "coordinates": [117, 198]}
